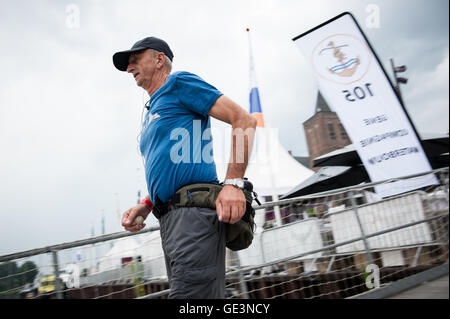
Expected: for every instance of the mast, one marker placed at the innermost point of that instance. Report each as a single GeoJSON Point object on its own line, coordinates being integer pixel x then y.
{"type": "Point", "coordinates": [256, 111]}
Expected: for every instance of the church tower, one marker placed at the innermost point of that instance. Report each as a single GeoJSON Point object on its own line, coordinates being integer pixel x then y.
{"type": "Point", "coordinates": [324, 131]}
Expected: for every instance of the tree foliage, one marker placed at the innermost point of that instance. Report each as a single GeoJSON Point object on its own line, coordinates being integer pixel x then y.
{"type": "Point", "coordinates": [13, 278]}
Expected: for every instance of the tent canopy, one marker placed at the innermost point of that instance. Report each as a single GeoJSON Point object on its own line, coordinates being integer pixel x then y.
{"type": "Point", "coordinates": [122, 248]}
{"type": "Point", "coordinates": [434, 145]}
{"type": "Point", "coordinates": [271, 169]}
{"type": "Point", "coordinates": [328, 178]}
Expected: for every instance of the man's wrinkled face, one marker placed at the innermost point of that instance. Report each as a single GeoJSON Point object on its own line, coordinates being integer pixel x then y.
{"type": "Point", "coordinates": [142, 66]}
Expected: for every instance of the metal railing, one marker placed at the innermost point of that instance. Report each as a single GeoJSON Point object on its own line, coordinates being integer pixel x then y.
{"type": "Point", "coordinates": [326, 250]}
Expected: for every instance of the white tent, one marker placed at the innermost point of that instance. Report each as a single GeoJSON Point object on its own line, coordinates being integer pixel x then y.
{"type": "Point", "coordinates": [271, 169]}
{"type": "Point", "coordinates": [150, 247]}
{"type": "Point", "coordinates": [122, 248]}
{"type": "Point", "coordinates": [152, 255]}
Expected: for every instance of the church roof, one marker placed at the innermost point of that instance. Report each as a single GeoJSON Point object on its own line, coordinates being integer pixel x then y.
{"type": "Point", "coordinates": [321, 105]}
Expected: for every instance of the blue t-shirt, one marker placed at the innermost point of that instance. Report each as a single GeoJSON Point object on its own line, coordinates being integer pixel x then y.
{"type": "Point", "coordinates": [176, 139]}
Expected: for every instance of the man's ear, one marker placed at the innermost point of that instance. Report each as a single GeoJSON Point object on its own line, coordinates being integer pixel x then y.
{"type": "Point", "coordinates": [161, 60]}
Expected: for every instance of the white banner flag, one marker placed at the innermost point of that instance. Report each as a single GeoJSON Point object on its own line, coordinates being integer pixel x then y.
{"type": "Point", "coordinates": [355, 85]}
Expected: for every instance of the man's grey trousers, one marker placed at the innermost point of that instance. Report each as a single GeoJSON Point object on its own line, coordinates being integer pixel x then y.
{"type": "Point", "coordinates": [193, 242]}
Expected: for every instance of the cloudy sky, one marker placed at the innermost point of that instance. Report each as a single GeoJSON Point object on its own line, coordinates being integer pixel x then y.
{"type": "Point", "coordinates": [69, 120]}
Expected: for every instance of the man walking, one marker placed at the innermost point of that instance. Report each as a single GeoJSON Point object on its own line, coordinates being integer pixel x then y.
{"type": "Point", "coordinates": [193, 238]}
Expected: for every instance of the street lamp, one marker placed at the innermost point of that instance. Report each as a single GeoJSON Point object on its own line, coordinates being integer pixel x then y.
{"type": "Point", "coordinates": [399, 80]}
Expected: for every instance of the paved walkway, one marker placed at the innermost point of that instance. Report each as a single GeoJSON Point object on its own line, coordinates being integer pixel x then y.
{"type": "Point", "coordinates": [435, 289]}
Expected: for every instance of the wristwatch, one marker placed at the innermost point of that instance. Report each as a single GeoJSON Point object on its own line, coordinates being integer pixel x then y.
{"type": "Point", "coordinates": [236, 182]}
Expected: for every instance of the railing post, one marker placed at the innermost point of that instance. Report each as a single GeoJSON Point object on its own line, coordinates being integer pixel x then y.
{"type": "Point", "coordinates": [330, 264]}
{"type": "Point", "coordinates": [242, 284]}
{"type": "Point", "coordinates": [56, 274]}
{"type": "Point", "coordinates": [262, 246]}
{"type": "Point", "coordinates": [363, 234]}
{"type": "Point", "coordinates": [444, 183]}
{"type": "Point", "coordinates": [417, 256]}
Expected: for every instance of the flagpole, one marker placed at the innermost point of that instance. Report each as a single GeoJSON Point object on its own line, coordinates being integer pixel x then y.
{"type": "Point", "coordinates": [256, 111]}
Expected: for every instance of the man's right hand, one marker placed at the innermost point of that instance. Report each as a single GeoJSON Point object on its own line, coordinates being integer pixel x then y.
{"type": "Point", "coordinates": [130, 215]}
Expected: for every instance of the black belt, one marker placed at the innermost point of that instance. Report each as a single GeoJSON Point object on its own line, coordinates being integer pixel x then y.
{"type": "Point", "coordinates": [160, 208]}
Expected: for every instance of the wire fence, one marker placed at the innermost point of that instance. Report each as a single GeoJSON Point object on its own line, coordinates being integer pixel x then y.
{"type": "Point", "coordinates": [335, 244]}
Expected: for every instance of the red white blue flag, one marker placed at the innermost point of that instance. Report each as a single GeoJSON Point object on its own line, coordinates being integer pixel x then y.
{"type": "Point", "coordinates": [255, 103]}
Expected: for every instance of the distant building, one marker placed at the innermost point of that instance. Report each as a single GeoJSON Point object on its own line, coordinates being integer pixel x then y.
{"type": "Point", "coordinates": [324, 131]}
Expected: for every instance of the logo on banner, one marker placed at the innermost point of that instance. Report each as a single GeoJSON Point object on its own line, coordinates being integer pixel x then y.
{"type": "Point", "coordinates": [341, 58]}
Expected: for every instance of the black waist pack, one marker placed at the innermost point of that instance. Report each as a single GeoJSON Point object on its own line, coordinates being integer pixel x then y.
{"type": "Point", "coordinates": [238, 235]}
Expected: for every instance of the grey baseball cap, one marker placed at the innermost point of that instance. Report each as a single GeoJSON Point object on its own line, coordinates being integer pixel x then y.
{"type": "Point", "coordinates": [120, 59]}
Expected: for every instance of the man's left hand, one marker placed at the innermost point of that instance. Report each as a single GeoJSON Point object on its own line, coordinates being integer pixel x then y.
{"type": "Point", "coordinates": [230, 204]}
